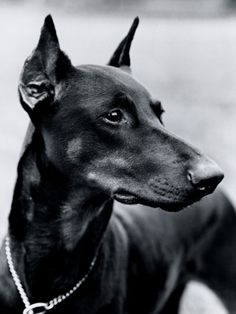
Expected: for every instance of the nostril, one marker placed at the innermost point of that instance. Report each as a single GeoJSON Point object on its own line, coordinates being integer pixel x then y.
{"type": "Point", "coordinates": [205, 180]}
{"type": "Point", "coordinates": [190, 176]}
{"type": "Point", "coordinates": [196, 181]}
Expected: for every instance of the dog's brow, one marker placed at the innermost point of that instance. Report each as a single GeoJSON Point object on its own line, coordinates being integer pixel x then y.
{"type": "Point", "coordinates": [125, 101]}
{"type": "Point", "coordinates": [121, 100]}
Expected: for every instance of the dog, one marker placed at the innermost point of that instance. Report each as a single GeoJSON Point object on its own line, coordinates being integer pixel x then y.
{"type": "Point", "coordinates": [86, 232]}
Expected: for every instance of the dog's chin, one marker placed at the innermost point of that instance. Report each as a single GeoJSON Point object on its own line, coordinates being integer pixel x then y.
{"type": "Point", "coordinates": [131, 199]}
{"type": "Point", "coordinates": [170, 205]}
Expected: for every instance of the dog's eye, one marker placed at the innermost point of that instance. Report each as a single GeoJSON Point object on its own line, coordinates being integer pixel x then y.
{"type": "Point", "coordinates": [114, 116]}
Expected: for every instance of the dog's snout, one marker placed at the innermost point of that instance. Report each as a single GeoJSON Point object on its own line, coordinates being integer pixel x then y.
{"type": "Point", "coordinates": [205, 176]}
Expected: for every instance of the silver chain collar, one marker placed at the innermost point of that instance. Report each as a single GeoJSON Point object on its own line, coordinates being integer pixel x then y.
{"type": "Point", "coordinates": [40, 307]}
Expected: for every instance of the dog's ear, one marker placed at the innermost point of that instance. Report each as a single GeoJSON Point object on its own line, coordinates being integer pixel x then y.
{"type": "Point", "coordinates": [43, 70]}
{"type": "Point", "coordinates": [121, 56]}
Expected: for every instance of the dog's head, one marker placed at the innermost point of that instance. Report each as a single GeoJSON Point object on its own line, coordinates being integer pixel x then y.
{"type": "Point", "coordinates": [102, 127]}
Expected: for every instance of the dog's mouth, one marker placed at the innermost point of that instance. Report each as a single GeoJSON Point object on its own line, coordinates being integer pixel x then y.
{"type": "Point", "coordinates": [129, 198]}
{"type": "Point", "coordinates": [126, 197]}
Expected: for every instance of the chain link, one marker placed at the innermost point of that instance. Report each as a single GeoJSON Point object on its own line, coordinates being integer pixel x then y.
{"type": "Point", "coordinates": [49, 305]}
{"type": "Point", "coordinates": [14, 274]}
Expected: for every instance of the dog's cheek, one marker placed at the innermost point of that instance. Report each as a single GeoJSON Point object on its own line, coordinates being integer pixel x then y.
{"type": "Point", "coordinates": [108, 173]}
{"type": "Point", "coordinates": [74, 149]}
{"type": "Point", "coordinates": [98, 179]}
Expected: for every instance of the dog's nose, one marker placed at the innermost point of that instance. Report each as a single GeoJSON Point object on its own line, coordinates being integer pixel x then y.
{"type": "Point", "coordinates": [205, 176]}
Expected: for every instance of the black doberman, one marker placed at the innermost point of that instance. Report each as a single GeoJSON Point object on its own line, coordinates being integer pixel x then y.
{"type": "Point", "coordinates": [96, 136]}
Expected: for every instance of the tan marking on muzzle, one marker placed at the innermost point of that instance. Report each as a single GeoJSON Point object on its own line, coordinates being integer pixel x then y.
{"type": "Point", "coordinates": [73, 148]}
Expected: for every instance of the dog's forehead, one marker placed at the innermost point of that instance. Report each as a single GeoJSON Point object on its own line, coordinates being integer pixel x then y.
{"type": "Point", "coordinates": [106, 79]}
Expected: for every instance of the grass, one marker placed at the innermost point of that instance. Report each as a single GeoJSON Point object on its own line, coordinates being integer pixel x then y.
{"type": "Point", "coordinates": [189, 65]}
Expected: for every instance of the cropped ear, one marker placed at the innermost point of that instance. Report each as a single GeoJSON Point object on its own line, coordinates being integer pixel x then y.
{"type": "Point", "coordinates": [121, 56]}
{"type": "Point", "coordinates": [43, 70]}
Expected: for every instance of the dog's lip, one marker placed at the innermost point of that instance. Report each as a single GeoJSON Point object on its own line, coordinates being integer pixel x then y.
{"type": "Point", "coordinates": [125, 197]}
{"type": "Point", "coordinates": [172, 205]}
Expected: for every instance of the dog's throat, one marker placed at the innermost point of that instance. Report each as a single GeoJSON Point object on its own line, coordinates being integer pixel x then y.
{"type": "Point", "coordinates": [50, 244]}
{"type": "Point", "coordinates": [43, 307]}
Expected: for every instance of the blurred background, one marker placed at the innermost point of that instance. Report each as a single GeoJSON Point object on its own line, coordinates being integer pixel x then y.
{"type": "Point", "coordinates": [184, 52]}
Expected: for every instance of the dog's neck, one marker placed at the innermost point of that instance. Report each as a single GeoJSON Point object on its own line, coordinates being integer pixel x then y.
{"type": "Point", "coordinates": [55, 233]}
